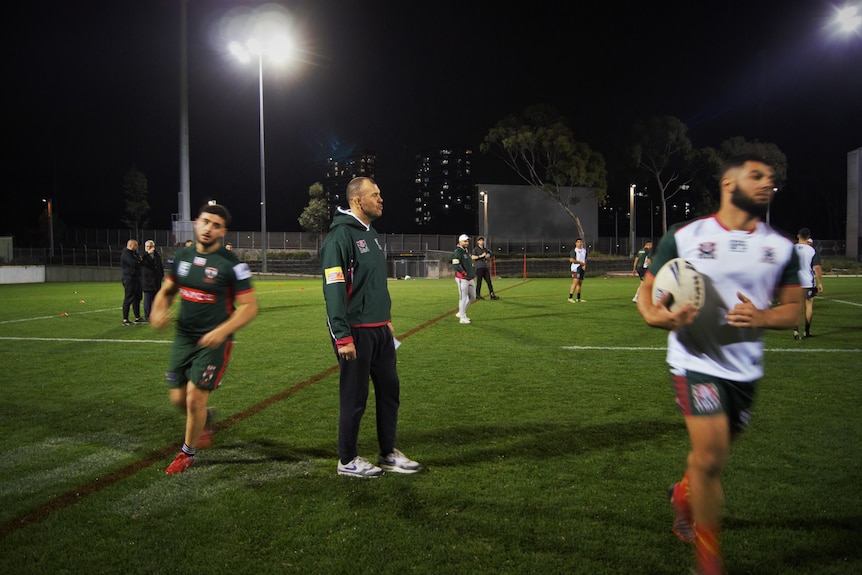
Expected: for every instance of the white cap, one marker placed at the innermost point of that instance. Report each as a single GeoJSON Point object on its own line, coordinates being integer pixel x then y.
{"type": "Point", "coordinates": [463, 237]}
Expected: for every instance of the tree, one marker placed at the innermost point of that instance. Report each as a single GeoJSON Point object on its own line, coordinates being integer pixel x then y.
{"type": "Point", "coordinates": [136, 196]}
{"type": "Point", "coordinates": [663, 149]}
{"type": "Point", "coordinates": [770, 151]}
{"type": "Point", "coordinates": [540, 148]}
{"type": "Point", "coordinates": [315, 216]}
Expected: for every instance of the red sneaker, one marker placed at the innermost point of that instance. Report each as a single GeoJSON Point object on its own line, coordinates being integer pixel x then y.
{"type": "Point", "coordinates": [683, 525]}
{"type": "Point", "coordinates": [180, 464]}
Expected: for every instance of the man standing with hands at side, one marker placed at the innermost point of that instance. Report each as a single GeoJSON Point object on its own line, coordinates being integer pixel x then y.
{"type": "Point", "coordinates": [358, 313]}
{"type": "Point", "coordinates": [481, 256]}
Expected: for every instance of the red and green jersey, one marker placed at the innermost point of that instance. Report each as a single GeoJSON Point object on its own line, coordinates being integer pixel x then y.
{"type": "Point", "coordinates": [208, 285]}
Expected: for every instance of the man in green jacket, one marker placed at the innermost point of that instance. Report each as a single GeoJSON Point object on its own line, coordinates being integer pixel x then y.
{"type": "Point", "coordinates": [358, 311]}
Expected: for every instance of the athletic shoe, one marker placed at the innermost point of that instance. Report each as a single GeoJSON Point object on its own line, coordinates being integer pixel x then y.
{"type": "Point", "coordinates": [635, 299]}
{"type": "Point", "coordinates": [458, 315]}
{"type": "Point", "coordinates": [141, 320]}
{"type": "Point", "coordinates": [494, 296]}
{"type": "Point", "coordinates": [206, 439]}
{"type": "Point", "coordinates": [359, 467]}
{"type": "Point", "coordinates": [126, 322]}
{"type": "Point", "coordinates": [796, 334]}
{"type": "Point", "coordinates": [683, 526]}
{"type": "Point", "coordinates": [465, 319]}
{"type": "Point", "coordinates": [808, 334]}
{"type": "Point", "coordinates": [479, 297]}
{"type": "Point", "coordinates": [571, 300]}
{"type": "Point", "coordinates": [397, 462]}
{"type": "Point", "coordinates": [582, 301]}
{"type": "Point", "coordinates": [180, 464]}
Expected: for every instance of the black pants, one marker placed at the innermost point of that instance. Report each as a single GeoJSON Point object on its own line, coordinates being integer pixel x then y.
{"type": "Point", "coordinates": [486, 274]}
{"type": "Point", "coordinates": [149, 297]}
{"type": "Point", "coordinates": [375, 359]}
{"type": "Point", "coordinates": [132, 298]}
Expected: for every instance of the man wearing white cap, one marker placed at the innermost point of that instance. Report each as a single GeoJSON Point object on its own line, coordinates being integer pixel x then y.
{"type": "Point", "coordinates": [465, 277]}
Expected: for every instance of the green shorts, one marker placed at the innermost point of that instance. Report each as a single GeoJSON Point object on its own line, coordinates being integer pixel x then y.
{"type": "Point", "coordinates": [200, 365]}
{"type": "Point", "coordinates": [701, 394]}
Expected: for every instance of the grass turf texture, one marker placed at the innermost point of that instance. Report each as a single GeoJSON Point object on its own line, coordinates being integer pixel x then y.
{"type": "Point", "coordinates": [547, 431]}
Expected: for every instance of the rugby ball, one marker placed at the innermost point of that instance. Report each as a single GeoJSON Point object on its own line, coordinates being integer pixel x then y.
{"type": "Point", "coordinates": [679, 278]}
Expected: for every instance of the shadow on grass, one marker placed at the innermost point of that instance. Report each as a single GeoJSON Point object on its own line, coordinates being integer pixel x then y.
{"type": "Point", "coordinates": [541, 441]}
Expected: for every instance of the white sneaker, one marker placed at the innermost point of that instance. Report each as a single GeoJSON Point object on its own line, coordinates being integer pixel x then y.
{"type": "Point", "coordinates": [635, 299]}
{"type": "Point", "coordinates": [397, 462]}
{"type": "Point", "coordinates": [465, 319]}
{"type": "Point", "coordinates": [359, 467]}
{"type": "Point", "coordinates": [458, 315]}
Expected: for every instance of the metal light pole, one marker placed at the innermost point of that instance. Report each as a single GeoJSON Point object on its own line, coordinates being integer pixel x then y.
{"type": "Point", "coordinates": [264, 242]}
{"type": "Point", "coordinates": [632, 219]}
{"type": "Point", "coordinates": [50, 228]}
{"type": "Point", "coordinates": [484, 200]}
{"type": "Point", "coordinates": [244, 53]}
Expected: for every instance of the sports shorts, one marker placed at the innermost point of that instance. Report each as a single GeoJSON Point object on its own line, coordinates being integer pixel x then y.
{"type": "Point", "coordinates": [579, 273]}
{"type": "Point", "coordinates": [701, 394]}
{"type": "Point", "coordinates": [202, 366]}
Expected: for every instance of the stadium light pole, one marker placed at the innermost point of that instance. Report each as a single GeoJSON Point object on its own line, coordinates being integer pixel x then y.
{"type": "Point", "coordinates": [632, 219]}
{"type": "Point", "coordinates": [277, 51]}
{"type": "Point", "coordinates": [48, 201]}
{"type": "Point", "coordinates": [484, 200]}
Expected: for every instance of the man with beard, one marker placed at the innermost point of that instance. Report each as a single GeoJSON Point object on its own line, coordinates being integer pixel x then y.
{"type": "Point", "coordinates": [216, 299]}
{"type": "Point", "coordinates": [716, 355]}
{"type": "Point", "coordinates": [359, 316]}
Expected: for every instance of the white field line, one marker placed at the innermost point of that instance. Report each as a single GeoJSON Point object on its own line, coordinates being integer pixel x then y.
{"type": "Point", "coordinates": [84, 340]}
{"type": "Point", "coordinates": [629, 348]}
{"type": "Point", "coordinates": [59, 315]}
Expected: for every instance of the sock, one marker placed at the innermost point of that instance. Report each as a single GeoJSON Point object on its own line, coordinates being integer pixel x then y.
{"type": "Point", "coordinates": [570, 295]}
{"type": "Point", "coordinates": [707, 551]}
{"type": "Point", "coordinates": [190, 451]}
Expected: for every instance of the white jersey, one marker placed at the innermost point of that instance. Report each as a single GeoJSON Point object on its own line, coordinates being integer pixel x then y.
{"type": "Point", "coordinates": [580, 254]}
{"type": "Point", "coordinates": [755, 264]}
{"type": "Point", "coordinates": [808, 258]}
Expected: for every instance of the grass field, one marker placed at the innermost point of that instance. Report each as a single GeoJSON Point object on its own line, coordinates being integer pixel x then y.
{"type": "Point", "coordinates": [548, 434]}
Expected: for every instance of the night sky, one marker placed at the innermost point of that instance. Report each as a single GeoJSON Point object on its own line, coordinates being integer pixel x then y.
{"type": "Point", "coordinates": [92, 89]}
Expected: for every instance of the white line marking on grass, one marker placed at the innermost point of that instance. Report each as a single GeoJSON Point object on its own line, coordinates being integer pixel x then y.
{"type": "Point", "coordinates": [776, 349]}
{"type": "Point", "coordinates": [58, 315]}
{"type": "Point", "coordinates": [848, 302]}
{"type": "Point", "coordinates": [84, 340]}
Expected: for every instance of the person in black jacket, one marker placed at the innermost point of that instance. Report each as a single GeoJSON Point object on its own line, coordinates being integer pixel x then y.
{"type": "Point", "coordinates": [358, 312]}
{"type": "Point", "coordinates": [131, 262]}
{"type": "Point", "coordinates": [152, 274]}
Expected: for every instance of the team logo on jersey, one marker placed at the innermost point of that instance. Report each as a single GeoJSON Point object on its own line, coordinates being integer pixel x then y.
{"type": "Point", "coordinates": [211, 273]}
{"type": "Point", "coordinates": [706, 251]}
{"type": "Point", "coordinates": [363, 247]}
{"type": "Point", "coordinates": [334, 275]}
{"type": "Point", "coordinates": [183, 269]}
{"type": "Point", "coordinates": [376, 241]}
{"type": "Point", "coordinates": [706, 398]}
{"type": "Point", "coordinates": [200, 261]}
{"type": "Point", "coordinates": [768, 255]}
{"type": "Point", "coordinates": [738, 246]}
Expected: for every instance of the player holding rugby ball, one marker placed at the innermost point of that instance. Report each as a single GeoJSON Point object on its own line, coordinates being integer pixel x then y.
{"type": "Point", "coordinates": [715, 354]}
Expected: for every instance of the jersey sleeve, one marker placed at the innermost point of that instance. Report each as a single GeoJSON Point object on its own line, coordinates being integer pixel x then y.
{"type": "Point", "coordinates": [335, 260]}
{"type": "Point", "coordinates": [664, 252]}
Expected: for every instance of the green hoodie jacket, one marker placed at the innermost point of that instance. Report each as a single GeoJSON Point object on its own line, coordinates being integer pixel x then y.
{"type": "Point", "coordinates": [354, 277]}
